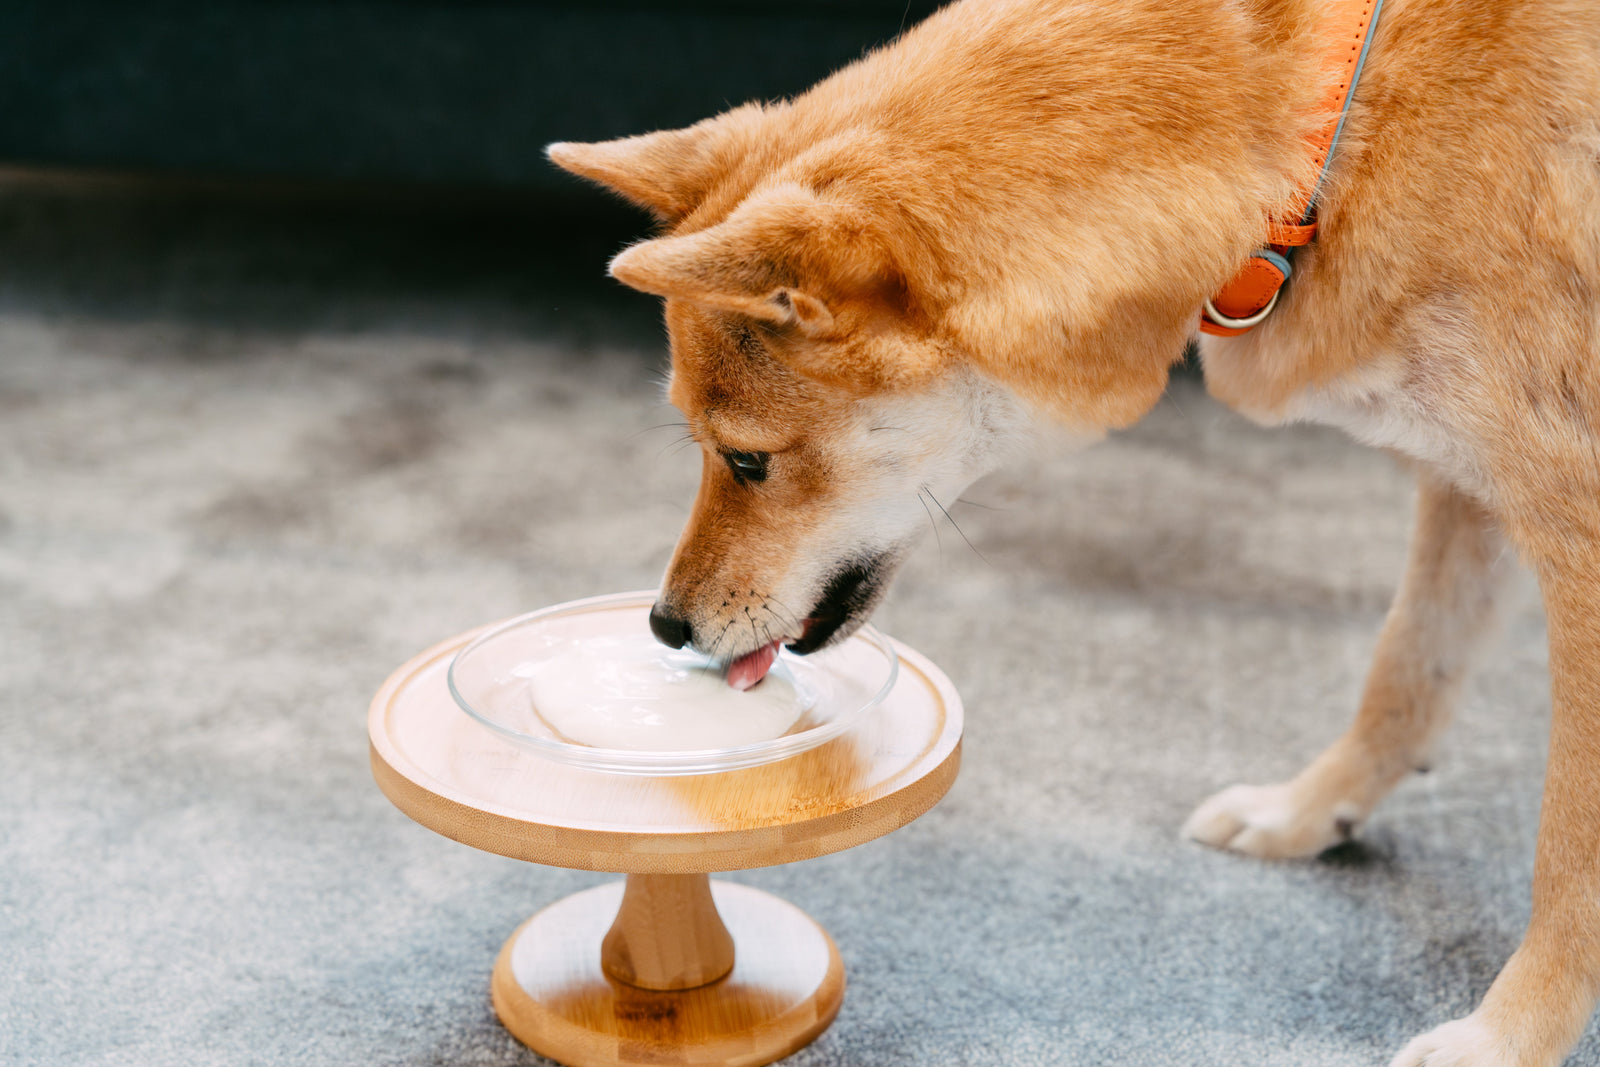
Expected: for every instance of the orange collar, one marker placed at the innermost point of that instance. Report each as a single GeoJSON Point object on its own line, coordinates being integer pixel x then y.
{"type": "Point", "coordinates": [1250, 295]}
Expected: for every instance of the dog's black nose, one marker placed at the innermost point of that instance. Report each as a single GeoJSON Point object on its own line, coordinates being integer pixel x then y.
{"type": "Point", "coordinates": [669, 629]}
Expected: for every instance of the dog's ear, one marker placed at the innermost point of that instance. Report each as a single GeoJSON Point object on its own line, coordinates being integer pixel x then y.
{"type": "Point", "coordinates": [784, 256]}
{"type": "Point", "coordinates": [668, 172]}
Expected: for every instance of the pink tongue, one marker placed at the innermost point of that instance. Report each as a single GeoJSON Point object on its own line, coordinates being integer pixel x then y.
{"type": "Point", "coordinates": [751, 667]}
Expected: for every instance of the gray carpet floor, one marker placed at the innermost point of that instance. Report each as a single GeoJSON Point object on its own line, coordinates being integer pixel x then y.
{"type": "Point", "coordinates": [258, 448]}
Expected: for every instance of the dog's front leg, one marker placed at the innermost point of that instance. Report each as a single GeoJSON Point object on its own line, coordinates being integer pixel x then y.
{"type": "Point", "coordinates": [1537, 1008]}
{"type": "Point", "coordinates": [1442, 612]}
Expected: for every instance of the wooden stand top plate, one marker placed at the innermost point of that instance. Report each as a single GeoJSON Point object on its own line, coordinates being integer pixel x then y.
{"type": "Point", "coordinates": [461, 780]}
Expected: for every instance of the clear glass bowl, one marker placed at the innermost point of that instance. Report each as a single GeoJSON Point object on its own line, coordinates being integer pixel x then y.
{"type": "Point", "coordinates": [489, 680]}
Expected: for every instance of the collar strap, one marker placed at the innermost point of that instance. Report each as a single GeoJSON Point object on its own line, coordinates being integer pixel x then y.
{"type": "Point", "coordinates": [1250, 295]}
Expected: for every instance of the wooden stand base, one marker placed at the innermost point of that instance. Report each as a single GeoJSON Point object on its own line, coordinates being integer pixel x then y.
{"type": "Point", "coordinates": [560, 995]}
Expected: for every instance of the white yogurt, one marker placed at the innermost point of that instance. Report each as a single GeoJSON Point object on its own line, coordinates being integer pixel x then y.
{"type": "Point", "coordinates": [629, 692]}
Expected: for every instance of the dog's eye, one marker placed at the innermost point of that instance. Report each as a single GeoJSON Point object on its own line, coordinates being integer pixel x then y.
{"type": "Point", "coordinates": [747, 466]}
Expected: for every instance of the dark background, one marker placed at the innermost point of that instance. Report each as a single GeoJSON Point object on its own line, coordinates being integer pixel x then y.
{"type": "Point", "coordinates": [389, 151]}
{"type": "Point", "coordinates": [460, 93]}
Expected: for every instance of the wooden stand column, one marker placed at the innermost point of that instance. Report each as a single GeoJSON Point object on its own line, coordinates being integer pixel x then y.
{"type": "Point", "coordinates": [668, 934]}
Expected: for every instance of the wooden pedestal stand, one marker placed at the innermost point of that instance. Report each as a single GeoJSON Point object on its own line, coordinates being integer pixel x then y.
{"type": "Point", "coordinates": [672, 968]}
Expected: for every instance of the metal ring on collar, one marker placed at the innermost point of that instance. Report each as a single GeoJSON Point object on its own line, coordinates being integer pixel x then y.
{"type": "Point", "coordinates": [1230, 323]}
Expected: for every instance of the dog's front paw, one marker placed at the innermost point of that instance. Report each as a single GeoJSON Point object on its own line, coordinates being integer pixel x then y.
{"type": "Point", "coordinates": [1465, 1042]}
{"type": "Point", "coordinates": [1273, 821]}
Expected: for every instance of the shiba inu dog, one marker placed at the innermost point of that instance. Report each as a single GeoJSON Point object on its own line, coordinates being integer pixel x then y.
{"type": "Point", "coordinates": [1017, 212]}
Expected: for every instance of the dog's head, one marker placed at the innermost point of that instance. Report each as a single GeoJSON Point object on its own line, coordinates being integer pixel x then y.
{"type": "Point", "coordinates": [865, 287]}
{"type": "Point", "coordinates": [833, 423]}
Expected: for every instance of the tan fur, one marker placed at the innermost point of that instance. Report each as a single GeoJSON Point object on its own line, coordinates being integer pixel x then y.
{"type": "Point", "coordinates": [1021, 205]}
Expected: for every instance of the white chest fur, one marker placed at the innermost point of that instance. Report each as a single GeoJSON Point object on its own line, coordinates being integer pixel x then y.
{"type": "Point", "coordinates": [1390, 403]}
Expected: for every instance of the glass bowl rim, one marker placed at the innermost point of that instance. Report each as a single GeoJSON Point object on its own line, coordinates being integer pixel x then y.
{"type": "Point", "coordinates": [677, 762]}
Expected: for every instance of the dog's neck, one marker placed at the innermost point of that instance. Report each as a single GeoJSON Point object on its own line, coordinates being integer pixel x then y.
{"type": "Point", "coordinates": [1068, 182]}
